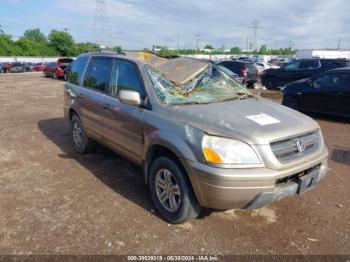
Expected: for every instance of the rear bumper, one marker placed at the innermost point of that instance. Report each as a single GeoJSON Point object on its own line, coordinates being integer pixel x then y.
{"type": "Point", "coordinates": [246, 188]}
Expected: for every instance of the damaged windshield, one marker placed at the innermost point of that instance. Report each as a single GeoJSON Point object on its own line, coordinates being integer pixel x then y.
{"type": "Point", "coordinates": [212, 85]}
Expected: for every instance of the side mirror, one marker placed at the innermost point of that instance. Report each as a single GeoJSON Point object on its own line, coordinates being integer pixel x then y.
{"type": "Point", "coordinates": [129, 97]}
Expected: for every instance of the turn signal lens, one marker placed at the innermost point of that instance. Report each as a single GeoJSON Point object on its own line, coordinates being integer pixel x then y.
{"type": "Point", "coordinates": [211, 155]}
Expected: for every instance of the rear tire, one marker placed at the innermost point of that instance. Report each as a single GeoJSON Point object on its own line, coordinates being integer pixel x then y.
{"type": "Point", "coordinates": [169, 182]}
{"type": "Point", "coordinates": [82, 144]}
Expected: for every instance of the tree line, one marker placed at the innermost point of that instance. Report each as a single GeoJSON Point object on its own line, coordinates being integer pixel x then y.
{"type": "Point", "coordinates": [35, 43]}
{"type": "Point", "coordinates": [208, 49]}
{"type": "Point", "coordinates": [61, 43]}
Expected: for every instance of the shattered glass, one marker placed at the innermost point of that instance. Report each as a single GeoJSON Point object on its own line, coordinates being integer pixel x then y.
{"type": "Point", "coordinates": [209, 86]}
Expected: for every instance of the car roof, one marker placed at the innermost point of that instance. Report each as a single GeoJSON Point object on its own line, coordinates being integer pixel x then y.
{"type": "Point", "coordinates": [177, 69]}
{"type": "Point", "coordinates": [236, 61]}
{"type": "Point", "coordinates": [341, 69]}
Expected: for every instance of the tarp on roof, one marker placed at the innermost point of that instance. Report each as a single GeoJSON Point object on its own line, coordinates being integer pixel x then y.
{"type": "Point", "coordinates": [179, 70]}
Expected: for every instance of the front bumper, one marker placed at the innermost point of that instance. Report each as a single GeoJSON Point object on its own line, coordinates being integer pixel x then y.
{"type": "Point", "coordinates": [251, 188]}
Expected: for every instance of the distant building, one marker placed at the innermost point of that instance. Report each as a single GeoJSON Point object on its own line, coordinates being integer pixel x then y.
{"type": "Point", "coordinates": [323, 53]}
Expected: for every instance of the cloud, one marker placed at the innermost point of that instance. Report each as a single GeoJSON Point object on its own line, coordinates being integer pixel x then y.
{"type": "Point", "coordinates": [139, 24]}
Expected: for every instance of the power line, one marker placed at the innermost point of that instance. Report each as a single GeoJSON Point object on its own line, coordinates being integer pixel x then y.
{"type": "Point", "coordinates": [256, 27]}
{"type": "Point", "coordinates": [102, 32]}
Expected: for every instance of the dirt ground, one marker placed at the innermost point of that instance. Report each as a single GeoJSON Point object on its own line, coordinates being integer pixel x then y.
{"type": "Point", "coordinates": [54, 201]}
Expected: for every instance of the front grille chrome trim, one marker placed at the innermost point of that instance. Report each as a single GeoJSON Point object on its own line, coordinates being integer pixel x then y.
{"type": "Point", "coordinates": [286, 150]}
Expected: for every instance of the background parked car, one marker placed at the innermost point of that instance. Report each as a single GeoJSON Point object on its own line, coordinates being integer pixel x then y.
{"type": "Point", "coordinates": [6, 67]}
{"type": "Point", "coordinates": [50, 70]}
{"type": "Point", "coordinates": [56, 69]}
{"type": "Point", "coordinates": [243, 69]}
{"type": "Point", "coordinates": [39, 67]}
{"type": "Point", "coordinates": [299, 69]}
{"type": "Point", "coordinates": [19, 67]}
{"type": "Point", "coordinates": [328, 92]}
{"type": "Point", "coordinates": [262, 66]}
{"type": "Point", "coordinates": [67, 71]}
{"type": "Point", "coordinates": [2, 68]}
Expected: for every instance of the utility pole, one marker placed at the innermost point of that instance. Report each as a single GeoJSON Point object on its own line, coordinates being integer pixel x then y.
{"type": "Point", "coordinates": [102, 32]}
{"type": "Point", "coordinates": [177, 41]}
{"type": "Point", "coordinates": [255, 27]}
{"type": "Point", "coordinates": [339, 42]}
{"type": "Point", "coordinates": [197, 39]}
{"type": "Point", "coordinates": [247, 43]}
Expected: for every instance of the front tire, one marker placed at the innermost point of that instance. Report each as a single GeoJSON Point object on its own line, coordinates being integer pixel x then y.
{"type": "Point", "coordinates": [82, 144]}
{"type": "Point", "coordinates": [291, 103]}
{"type": "Point", "coordinates": [171, 191]}
{"type": "Point", "coordinates": [271, 83]}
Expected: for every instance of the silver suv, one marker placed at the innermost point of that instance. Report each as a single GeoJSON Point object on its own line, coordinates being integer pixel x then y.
{"type": "Point", "coordinates": [201, 138]}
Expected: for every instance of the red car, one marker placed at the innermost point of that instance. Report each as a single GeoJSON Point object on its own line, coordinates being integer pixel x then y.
{"type": "Point", "coordinates": [39, 67]}
{"type": "Point", "coordinates": [56, 69]}
{"type": "Point", "coordinates": [7, 66]}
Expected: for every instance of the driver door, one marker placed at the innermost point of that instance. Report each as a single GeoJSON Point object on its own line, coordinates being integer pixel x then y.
{"type": "Point", "coordinates": [122, 128]}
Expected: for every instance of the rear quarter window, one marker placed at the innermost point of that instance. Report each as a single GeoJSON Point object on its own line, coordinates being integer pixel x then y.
{"type": "Point", "coordinates": [77, 69]}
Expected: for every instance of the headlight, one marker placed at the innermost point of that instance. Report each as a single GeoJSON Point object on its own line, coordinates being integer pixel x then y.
{"type": "Point", "coordinates": [220, 150]}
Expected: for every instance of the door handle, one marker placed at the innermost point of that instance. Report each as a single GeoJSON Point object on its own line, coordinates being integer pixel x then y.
{"type": "Point", "coordinates": [107, 107]}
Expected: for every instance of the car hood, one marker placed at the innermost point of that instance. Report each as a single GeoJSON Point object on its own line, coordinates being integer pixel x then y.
{"type": "Point", "coordinates": [251, 120]}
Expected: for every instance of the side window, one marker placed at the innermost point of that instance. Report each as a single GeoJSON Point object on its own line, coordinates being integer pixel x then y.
{"type": "Point", "coordinates": [97, 75]}
{"type": "Point", "coordinates": [311, 64]}
{"type": "Point", "coordinates": [293, 65]}
{"type": "Point", "coordinates": [125, 76]}
{"type": "Point", "coordinates": [338, 80]}
{"type": "Point", "coordinates": [77, 68]}
{"type": "Point", "coordinates": [322, 81]}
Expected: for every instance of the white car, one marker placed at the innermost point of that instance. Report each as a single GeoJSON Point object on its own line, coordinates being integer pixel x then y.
{"type": "Point", "coordinates": [262, 66]}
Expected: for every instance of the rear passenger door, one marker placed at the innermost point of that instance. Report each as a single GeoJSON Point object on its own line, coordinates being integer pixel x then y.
{"type": "Point", "coordinates": [91, 97]}
{"type": "Point", "coordinates": [122, 128]}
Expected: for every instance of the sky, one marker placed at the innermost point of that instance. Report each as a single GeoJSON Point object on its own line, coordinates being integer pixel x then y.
{"type": "Point", "coordinates": [138, 24]}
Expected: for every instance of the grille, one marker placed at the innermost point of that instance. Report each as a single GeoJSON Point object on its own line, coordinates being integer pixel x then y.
{"type": "Point", "coordinates": [287, 149]}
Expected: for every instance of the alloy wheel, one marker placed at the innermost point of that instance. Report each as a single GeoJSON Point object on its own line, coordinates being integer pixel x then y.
{"type": "Point", "coordinates": [77, 134]}
{"type": "Point", "coordinates": [168, 190]}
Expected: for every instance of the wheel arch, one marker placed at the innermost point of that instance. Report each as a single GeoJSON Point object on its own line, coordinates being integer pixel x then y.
{"type": "Point", "coordinates": [155, 151]}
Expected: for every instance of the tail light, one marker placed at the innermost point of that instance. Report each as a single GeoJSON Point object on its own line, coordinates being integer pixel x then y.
{"type": "Point", "coordinates": [244, 72]}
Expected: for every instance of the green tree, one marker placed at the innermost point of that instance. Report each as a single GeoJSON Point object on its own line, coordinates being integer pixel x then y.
{"type": "Point", "coordinates": [117, 49]}
{"type": "Point", "coordinates": [24, 46]}
{"type": "Point", "coordinates": [35, 35]}
{"type": "Point", "coordinates": [209, 47]}
{"type": "Point", "coordinates": [85, 47]}
{"type": "Point", "coordinates": [62, 42]}
{"type": "Point", "coordinates": [263, 50]}
{"type": "Point", "coordinates": [236, 50]}
{"type": "Point", "coordinates": [6, 45]}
